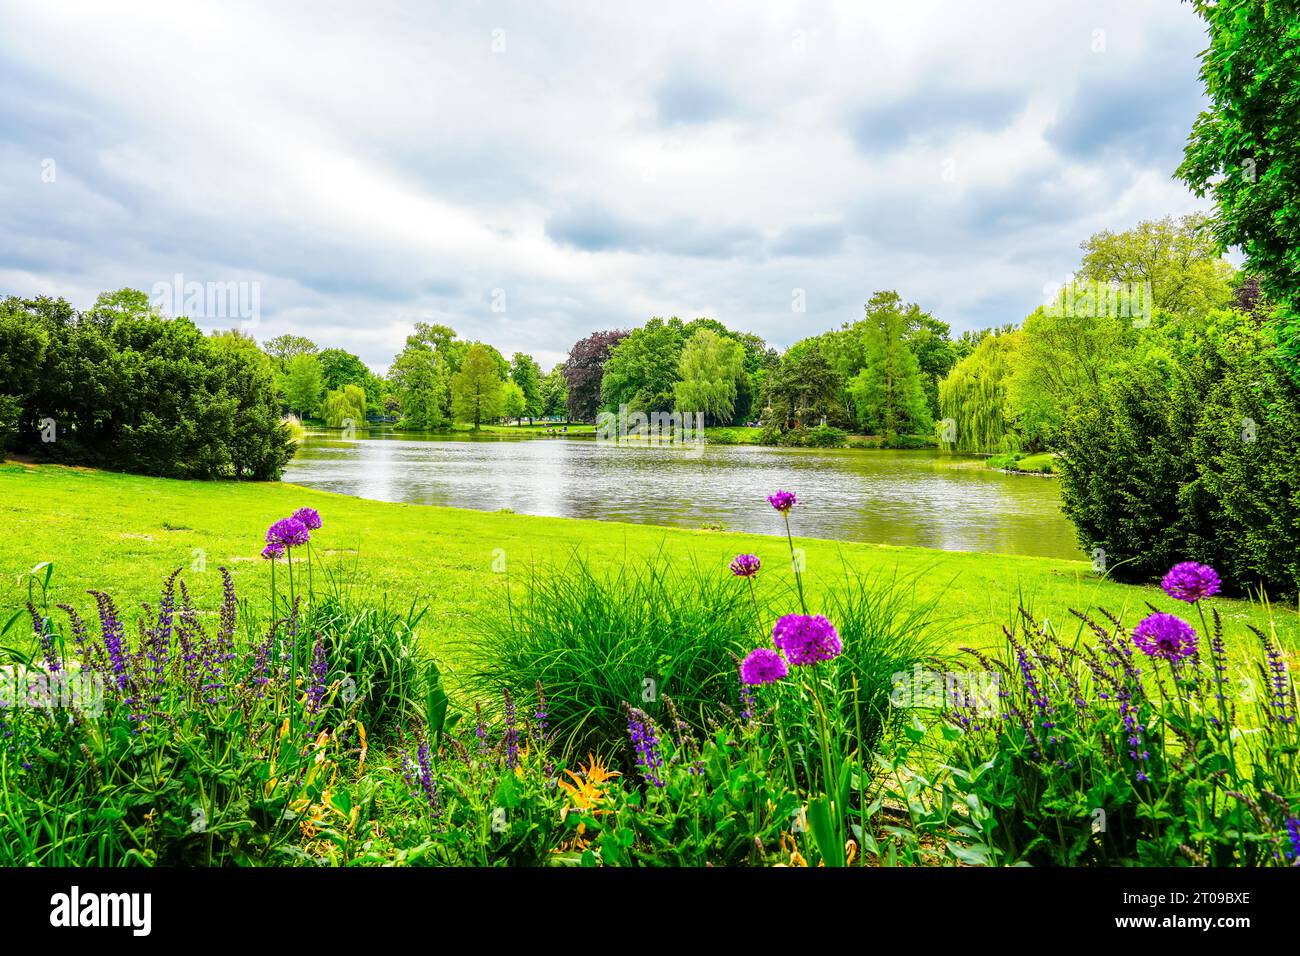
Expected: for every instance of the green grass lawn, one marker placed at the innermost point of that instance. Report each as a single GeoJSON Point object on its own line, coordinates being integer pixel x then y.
{"type": "Point", "coordinates": [122, 533]}
{"type": "Point", "coordinates": [1044, 462]}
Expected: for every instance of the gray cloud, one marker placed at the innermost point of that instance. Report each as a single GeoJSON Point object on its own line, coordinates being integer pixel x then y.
{"type": "Point", "coordinates": [381, 167]}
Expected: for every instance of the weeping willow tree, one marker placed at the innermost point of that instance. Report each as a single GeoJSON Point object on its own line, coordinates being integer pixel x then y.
{"type": "Point", "coordinates": [346, 404]}
{"type": "Point", "coordinates": [973, 398]}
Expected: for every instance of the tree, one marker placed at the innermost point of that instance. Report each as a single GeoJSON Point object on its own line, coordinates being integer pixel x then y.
{"type": "Point", "coordinates": [555, 393]}
{"type": "Point", "coordinates": [804, 385]}
{"type": "Point", "coordinates": [513, 402]}
{"type": "Point", "coordinates": [527, 374]}
{"type": "Point", "coordinates": [302, 384]}
{"type": "Point", "coordinates": [284, 348]}
{"type": "Point", "coordinates": [344, 405]}
{"type": "Point", "coordinates": [252, 431]}
{"type": "Point", "coordinates": [23, 342]}
{"type": "Point", "coordinates": [340, 368]}
{"type": "Point", "coordinates": [1245, 149]}
{"type": "Point", "coordinates": [642, 368]}
{"type": "Point", "coordinates": [476, 388]}
{"type": "Point", "coordinates": [1179, 259]}
{"type": "Point", "coordinates": [974, 396]}
{"type": "Point", "coordinates": [127, 388]}
{"type": "Point", "coordinates": [1060, 355]}
{"type": "Point", "coordinates": [584, 371]}
{"type": "Point", "coordinates": [1190, 456]}
{"type": "Point", "coordinates": [709, 369]}
{"type": "Point", "coordinates": [888, 393]}
{"type": "Point", "coordinates": [420, 378]}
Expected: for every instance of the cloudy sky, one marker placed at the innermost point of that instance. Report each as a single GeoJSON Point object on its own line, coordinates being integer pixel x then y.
{"type": "Point", "coordinates": [527, 172]}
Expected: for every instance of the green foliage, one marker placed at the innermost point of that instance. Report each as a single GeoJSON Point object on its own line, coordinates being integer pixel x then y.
{"type": "Point", "coordinates": [803, 386]}
{"type": "Point", "coordinates": [420, 380]}
{"type": "Point", "coordinates": [710, 369]}
{"type": "Point", "coordinates": [595, 640]}
{"type": "Point", "coordinates": [285, 347]}
{"type": "Point", "coordinates": [198, 749]}
{"type": "Point", "coordinates": [974, 396]}
{"type": "Point", "coordinates": [340, 368]}
{"type": "Point", "coordinates": [642, 368]}
{"type": "Point", "coordinates": [1179, 259]}
{"type": "Point", "coordinates": [1243, 150]}
{"type": "Point", "coordinates": [1094, 757]}
{"type": "Point", "coordinates": [1190, 457]}
{"type": "Point", "coordinates": [555, 393]}
{"type": "Point", "coordinates": [476, 389]}
{"type": "Point", "coordinates": [525, 373]}
{"type": "Point", "coordinates": [888, 392]}
{"type": "Point", "coordinates": [123, 387]}
{"type": "Point", "coordinates": [819, 436]}
{"type": "Point", "coordinates": [513, 401]}
{"type": "Point", "coordinates": [303, 384]}
{"type": "Point", "coordinates": [344, 405]}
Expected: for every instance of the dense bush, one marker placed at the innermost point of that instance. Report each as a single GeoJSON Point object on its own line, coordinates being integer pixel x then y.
{"type": "Point", "coordinates": [819, 436]}
{"type": "Point", "coordinates": [1191, 455]}
{"type": "Point", "coordinates": [121, 387]}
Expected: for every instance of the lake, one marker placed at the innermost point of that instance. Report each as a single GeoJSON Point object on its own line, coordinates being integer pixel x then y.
{"type": "Point", "coordinates": [921, 498]}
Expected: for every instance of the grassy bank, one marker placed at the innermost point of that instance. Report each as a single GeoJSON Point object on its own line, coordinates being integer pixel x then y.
{"type": "Point", "coordinates": [123, 532]}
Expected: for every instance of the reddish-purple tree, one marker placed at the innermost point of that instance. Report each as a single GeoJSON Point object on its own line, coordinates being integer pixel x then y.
{"type": "Point", "coordinates": [584, 370]}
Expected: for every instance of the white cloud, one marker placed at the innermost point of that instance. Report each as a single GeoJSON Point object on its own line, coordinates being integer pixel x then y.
{"type": "Point", "coordinates": [373, 166]}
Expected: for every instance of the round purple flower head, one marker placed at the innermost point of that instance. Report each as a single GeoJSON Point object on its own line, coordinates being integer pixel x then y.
{"type": "Point", "coordinates": [273, 550]}
{"type": "Point", "coordinates": [309, 517]}
{"type": "Point", "coordinates": [287, 532]}
{"type": "Point", "coordinates": [763, 665]}
{"type": "Point", "coordinates": [745, 565]}
{"type": "Point", "coordinates": [1191, 582]}
{"type": "Point", "coordinates": [783, 501]}
{"type": "Point", "coordinates": [807, 638]}
{"type": "Point", "coordinates": [1166, 636]}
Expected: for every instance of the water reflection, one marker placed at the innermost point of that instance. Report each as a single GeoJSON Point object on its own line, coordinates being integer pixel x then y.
{"type": "Point", "coordinates": [905, 498]}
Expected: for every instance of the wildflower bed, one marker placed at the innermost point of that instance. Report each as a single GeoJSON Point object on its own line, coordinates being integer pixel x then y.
{"type": "Point", "coordinates": [321, 732]}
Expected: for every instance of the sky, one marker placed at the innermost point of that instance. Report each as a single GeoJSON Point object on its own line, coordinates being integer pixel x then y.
{"type": "Point", "coordinates": [529, 172]}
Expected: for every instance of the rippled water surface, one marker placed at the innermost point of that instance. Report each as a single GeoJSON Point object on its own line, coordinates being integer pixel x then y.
{"type": "Point", "coordinates": [892, 497]}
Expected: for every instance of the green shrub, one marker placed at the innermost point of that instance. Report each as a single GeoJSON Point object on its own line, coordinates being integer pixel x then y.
{"type": "Point", "coordinates": [819, 436]}
{"type": "Point", "coordinates": [1191, 459]}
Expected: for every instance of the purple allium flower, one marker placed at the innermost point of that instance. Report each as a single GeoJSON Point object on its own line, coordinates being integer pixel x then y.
{"type": "Point", "coordinates": [1191, 582]}
{"type": "Point", "coordinates": [512, 732]}
{"type": "Point", "coordinates": [288, 532]}
{"type": "Point", "coordinates": [309, 517]}
{"type": "Point", "coordinates": [745, 565]}
{"type": "Point", "coordinates": [807, 639]}
{"type": "Point", "coordinates": [273, 551]}
{"type": "Point", "coordinates": [1165, 636]}
{"type": "Point", "coordinates": [763, 665]}
{"type": "Point", "coordinates": [645, 741]}
{"type": "Point", "coordinates": [782, 501]}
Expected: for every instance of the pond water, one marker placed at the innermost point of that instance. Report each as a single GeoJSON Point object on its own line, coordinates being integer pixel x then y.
{"type": "Point", "coordinates": [921, 498]}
